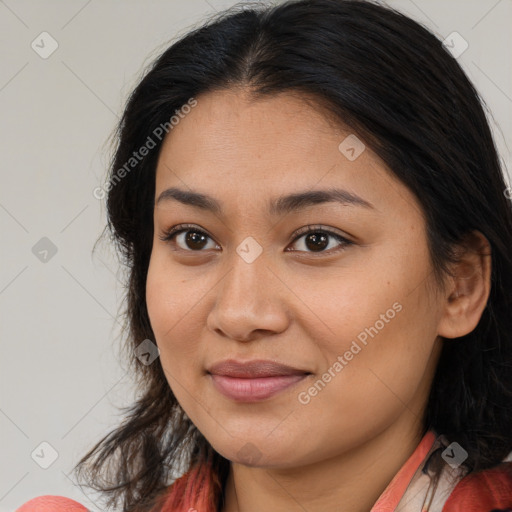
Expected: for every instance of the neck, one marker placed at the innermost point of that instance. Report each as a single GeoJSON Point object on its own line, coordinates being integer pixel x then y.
{"type": "Point", "coordinates": [354, 479]}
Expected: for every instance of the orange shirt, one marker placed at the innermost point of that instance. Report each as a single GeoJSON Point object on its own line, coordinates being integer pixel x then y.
{"type": "Point", "coordinates": [410, 490]}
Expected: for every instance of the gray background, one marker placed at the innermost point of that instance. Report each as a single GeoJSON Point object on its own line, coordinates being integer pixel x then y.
{"type": "Point", "coordinates": [60, 375]}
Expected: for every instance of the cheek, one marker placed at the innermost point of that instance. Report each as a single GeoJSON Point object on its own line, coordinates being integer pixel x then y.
{"type": "Point", "coordinates": [375, 382]}
{"type": "Point", "coordinates": [170, 308]}
{"type": "Point", "coordinates": [157, 296]}
{"type": "Point", "coordinates": [385, 356]}
{"type": "Point", "coordinates": [168, 296]}
{"type": "Point", "coordinates": [382, 324]}
{"type": "Point", "coordinates": [176, 305]}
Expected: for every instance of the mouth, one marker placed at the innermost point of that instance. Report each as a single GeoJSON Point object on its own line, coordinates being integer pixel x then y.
{"type": "Point", "coordinates": [255, 380]}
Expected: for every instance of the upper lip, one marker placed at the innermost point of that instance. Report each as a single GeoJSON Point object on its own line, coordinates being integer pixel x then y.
{"type": "Point", "coordinates": [252, 369]}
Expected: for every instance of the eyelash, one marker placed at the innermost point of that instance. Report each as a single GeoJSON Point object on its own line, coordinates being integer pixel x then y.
{"type": "Point", "coordinates": [169, 235]}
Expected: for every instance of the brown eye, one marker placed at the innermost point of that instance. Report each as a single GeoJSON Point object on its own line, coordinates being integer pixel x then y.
{"type": "Point", "coordinates": [318, 240]}
{"type": "Point", "coordinates": [187, 238]}
{"type": "Point", "coordinates": [195, 240]}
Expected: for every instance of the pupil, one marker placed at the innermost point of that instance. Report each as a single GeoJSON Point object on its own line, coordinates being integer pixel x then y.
{"type": "Point", "coordinates": [319, 241]}
{"type": "Point", "coordinates": [193, 238]}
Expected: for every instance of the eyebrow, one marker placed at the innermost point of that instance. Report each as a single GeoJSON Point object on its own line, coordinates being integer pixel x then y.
{"type": "Point", "coordinates": [279, 206]}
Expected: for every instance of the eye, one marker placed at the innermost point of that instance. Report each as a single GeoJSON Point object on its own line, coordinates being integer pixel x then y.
{"type": "Point", "coordinates": [188, 237]}
{"type": "Point", "coordinates": [316, 240]}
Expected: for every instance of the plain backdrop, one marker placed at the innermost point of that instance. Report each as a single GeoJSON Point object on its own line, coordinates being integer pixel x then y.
{"type": "Point", "coordinates": [61, 379]}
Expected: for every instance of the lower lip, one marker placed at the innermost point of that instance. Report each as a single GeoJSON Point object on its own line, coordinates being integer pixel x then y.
{"type": "Point", "coordinates": [253, 390]}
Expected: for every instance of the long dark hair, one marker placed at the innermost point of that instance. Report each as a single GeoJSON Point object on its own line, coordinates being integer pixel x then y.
{"type": "Point", "coordinates": [396, 86]}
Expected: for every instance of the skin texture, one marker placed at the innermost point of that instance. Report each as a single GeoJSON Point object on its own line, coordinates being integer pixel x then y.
{"type": "Point", "coordinates": [299, 306]}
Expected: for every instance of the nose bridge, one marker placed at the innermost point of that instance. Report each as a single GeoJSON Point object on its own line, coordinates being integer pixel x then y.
{"type": "Point", "coordinates": [246, 299]}
{"type": "Point", "coordinates": [244, 284]}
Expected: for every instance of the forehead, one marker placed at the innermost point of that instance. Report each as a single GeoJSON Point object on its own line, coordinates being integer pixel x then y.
{"type": "Point", "coordinates": [247, 148]}
{"type": "Point", "coordinates": [232, 123]}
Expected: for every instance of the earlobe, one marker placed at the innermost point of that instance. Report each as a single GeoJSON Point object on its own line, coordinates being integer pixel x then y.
{"type": "Point", "coordinates": [469, 287]}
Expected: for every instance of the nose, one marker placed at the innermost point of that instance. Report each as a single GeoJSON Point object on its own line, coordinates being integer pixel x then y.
{"type": "Point", "coordinates": [250, 301]}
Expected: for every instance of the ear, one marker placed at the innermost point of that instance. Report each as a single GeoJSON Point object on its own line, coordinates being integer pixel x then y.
{"type": "Point", "coordinates": [468, 289]}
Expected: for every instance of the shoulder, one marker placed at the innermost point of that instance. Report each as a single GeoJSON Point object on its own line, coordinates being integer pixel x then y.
{"type": "Point", "coordinates": [486, 491]}
{"type": "Point", "coordinates": [51, 504]}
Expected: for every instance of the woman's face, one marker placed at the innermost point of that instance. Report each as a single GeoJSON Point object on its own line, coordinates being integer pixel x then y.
{"type": "Point", "coordinates": [358, 316]}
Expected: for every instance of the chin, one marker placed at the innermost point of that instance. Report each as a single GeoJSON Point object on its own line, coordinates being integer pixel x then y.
{"type": "Point", "coordinates": [258, 452]}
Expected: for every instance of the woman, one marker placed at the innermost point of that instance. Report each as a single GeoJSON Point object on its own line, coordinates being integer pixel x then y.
{"type": "Point", "coordinates": [313, 215]}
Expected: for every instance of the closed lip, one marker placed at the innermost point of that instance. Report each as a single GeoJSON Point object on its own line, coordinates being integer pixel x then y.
{"type": "Point", "coordinates": [256, 368]}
